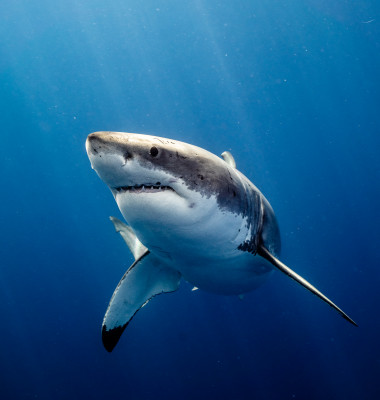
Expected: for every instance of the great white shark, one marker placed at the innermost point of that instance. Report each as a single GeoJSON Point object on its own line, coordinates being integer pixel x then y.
{"type": "Point", "coordinates": [189, 214]}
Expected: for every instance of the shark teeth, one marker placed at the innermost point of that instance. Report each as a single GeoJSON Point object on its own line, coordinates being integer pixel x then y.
{"type": "Point", "coordinates": [143, 188]}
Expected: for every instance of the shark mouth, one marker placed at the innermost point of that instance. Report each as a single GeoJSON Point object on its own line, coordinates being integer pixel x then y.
{"type": "Point", "coordinates": [144, 189]}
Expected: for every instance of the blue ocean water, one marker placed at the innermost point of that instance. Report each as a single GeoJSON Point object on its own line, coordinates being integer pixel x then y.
{"type": "Point", "coordinates": [292, 89]}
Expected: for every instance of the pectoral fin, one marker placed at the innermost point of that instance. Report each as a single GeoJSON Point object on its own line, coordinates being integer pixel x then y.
{"type": "Point", "coordinates": [263, 252]}
{"type": "Point", "coordinates": [146, 278]}
{"type": "Point", "coordinates": [126, 232]}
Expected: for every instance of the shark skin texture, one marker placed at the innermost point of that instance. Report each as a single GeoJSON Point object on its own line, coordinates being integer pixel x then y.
{"type": "Point", "coordinates": [189, 214]}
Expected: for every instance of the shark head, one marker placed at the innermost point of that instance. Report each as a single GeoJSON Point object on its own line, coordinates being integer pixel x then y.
{"type": "Point", "coordinates": [158, 181]}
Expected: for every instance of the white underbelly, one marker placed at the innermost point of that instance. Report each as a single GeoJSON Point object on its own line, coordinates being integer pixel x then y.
{"type": "Point", "coordinates": [234, 276]}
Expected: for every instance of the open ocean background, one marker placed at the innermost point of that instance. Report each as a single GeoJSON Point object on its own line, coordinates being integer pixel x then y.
{"type": "Point", "coordinates": [292, 89]}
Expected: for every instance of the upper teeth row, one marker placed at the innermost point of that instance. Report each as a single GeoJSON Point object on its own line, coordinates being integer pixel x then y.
{"type": "Point", "coordinates": [143, 187]}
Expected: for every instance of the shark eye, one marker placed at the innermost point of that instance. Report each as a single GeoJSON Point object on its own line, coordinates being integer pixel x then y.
{"type": "Point", "coordinates": [153, 151]}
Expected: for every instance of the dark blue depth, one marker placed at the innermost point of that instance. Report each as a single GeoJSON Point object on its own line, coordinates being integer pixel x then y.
{"type": "Point", "coordinates": [292, 89]}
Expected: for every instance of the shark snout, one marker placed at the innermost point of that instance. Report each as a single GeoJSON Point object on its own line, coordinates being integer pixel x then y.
{"type": "Point", "coordinates": [108, 144]}
{"type": "Point", "coordinates": [96, 143]}
{"type": "Point", "coordinates": [93, 145]}
{"type": "Point", "coordinates": [107, 155]}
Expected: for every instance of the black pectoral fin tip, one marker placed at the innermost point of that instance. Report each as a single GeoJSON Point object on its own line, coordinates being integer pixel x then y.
{"type": "Point", "coordinates": [110, 337]}
{"type": "Point", "coordinates": [263, 252]}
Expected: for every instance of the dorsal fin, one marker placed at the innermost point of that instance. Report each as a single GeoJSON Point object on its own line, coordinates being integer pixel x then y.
{"type": "Point", "coordinates": [263, 252]}
{"type": "Point", "coordinates": [126, 232]}
{"type": "Point", "coordinates": [229, 159]}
